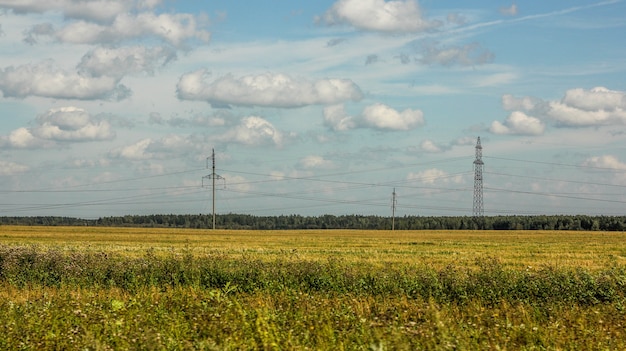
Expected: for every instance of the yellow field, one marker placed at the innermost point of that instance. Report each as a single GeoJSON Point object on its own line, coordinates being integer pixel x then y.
{"type": "Point", "coordinates": [520, 249]}
{"type": "Point", "coordinates": [184, 289]}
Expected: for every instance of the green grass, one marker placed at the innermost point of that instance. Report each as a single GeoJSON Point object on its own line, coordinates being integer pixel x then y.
{"type": "Point", "coordinates": [334, 290]}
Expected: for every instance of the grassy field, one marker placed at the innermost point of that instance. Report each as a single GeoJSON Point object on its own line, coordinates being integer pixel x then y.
{"type": "Point", "coordinates": [168, 289]}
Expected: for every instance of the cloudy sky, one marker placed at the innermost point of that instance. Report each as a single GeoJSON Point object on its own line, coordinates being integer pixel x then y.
{"type": "Point", "coordinates": [112, 107]}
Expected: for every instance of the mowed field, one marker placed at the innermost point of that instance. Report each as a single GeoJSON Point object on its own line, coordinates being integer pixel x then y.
{"type": "Point", "coordinates": [593, 250]}
{"type": "Point", "coordinates": [146, 288]}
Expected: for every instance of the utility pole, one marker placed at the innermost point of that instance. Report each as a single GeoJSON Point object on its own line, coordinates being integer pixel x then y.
{"type": "Point", "coordinates": [478, 180]}
{"type": "Point", "coordinates": [212, 176]}
{"type": "Point", "coordinates": [393, 209]}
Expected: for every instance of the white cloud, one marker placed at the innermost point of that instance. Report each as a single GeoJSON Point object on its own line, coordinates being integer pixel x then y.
{"type": "Point", "coordinates": [510, 103]}
{"type": "Point", "coordinates": [518, 123]}
{"type": "Point", "coordinates": [21, 138]}
{"type": "Point", "coordinates": [107, 22]}
{"type": "Point", "coordinates": [400, 16]}
{"type": "Point", "coordinates": [377, 116]}
{"type": "Point", "coordinates": [11, 168]}
{"type": "Point", "coordinates": [462, 141]}
{"type": "Point", "coordinates": [163, 148]}
{"type": "Point", "coordinates": [174, 29]}
{"type": "Point", "coordinates": [598, 98]}
{"type": "Point", "coordinates": [578, 108]}
{"type": "Point", "coordinates": [71, 124]}
{"type": "Point", "coordinates": [609, 162]}
{"type": "Point", "coordinates": [267, 90]}
{"type": "Point", "coordinates": [136, 151]}
{"type": "Point", "coordinates": [96, 10]}
{"type": "Point", "coordinates": [253, 131]}
{"type": "Point", "coordinates": [315, 162]}
{"type": "Point", "coordinates": [434, 175]}
{"type": "Point", "coordinates": [569, 116]}
{"type": "Point", "coordinates": [605, 161]}
{"type": "Point", "coordinates": [46, 80]}
{"type": "Point", "coordinates": [430, 146]}
{"type": "Point", "coordinates": [581, 108]}
{"type": "Point", "coordinates": [64, 124]}
{"type": "Point", "coordinates": [381, 116]}
{"type": "Point", "coordinates": [336, 118]}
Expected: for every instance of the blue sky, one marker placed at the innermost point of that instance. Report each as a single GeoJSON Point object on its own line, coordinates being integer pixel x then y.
{"type": "Point", "coordinates": [111, 107]}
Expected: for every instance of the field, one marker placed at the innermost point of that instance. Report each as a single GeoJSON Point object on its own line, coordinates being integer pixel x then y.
{"type": "Point", "coordinates": [170, 289]}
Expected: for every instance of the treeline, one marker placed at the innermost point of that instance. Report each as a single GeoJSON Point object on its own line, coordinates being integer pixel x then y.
{"type": "Point", "coordinates": [244, 221]}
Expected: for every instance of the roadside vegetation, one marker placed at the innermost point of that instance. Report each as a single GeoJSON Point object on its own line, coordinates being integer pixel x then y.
{"type": "Point", "coordinates": [136, 288]}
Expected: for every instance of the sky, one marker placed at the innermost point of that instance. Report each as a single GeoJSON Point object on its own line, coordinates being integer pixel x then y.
{"type": "Point", "coordinates": [113, 107]}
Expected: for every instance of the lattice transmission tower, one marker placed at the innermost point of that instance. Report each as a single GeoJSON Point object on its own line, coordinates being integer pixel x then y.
{"type": "Point", "coordinates": [478, 180]}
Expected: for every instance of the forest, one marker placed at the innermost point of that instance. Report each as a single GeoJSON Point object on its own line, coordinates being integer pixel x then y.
{"type": "Point", "coordinates": [367, 222]}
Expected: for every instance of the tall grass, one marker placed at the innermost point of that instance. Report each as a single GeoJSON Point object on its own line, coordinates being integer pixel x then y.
{"type": "Point", "coordinates": [55, 299]}
{"type": "Point", "coordinates": [491, 283]}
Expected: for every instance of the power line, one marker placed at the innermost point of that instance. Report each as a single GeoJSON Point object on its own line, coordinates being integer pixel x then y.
{"type": "Point", "coordinates": [558, 164]}
{"type": "Point", "coordinates": [213, 176]}
{"type": "Point", "coordinates": [558, 180]}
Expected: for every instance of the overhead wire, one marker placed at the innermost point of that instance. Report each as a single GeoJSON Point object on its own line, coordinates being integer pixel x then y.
{"type": "Point", "coordinates": [308, 194]}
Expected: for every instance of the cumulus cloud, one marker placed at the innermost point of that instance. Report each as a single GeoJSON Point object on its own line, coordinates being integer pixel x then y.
{"type": "Point", "coordinates": [95, 10]}
{"type": "Point", "coordinates": [511, 103]}
{"type": "Point", "coordinates": [253, 131]}
{"type": "Point", "coordinates": [46, 80]}
{"type": "Point", "coordinates": [336, 118]}
{"type": "Point", "coordinates": [267, 90]}
{"type": "Point", "coordinates": [608, 162]}
{"type": "Point", "coordinates": [136, 151]}
{"type": "Point", "coordinates": [467, 55]}
{"type": "Point", "coordinates": [97, 76]}
{"type": "Point", "coordinates": [585, 108]}
{"type": "Point", "coordinates": [174, 29]}
{"type": "Point", "coordinates": [605, 161]}
{"type": "Point", "coordinates": [518, 123]}
{"type": "Point", "coordinates": [59, 125]}
{"type": "Point", "coordinates": [315, 162]}
{"type": "Point", "coordinates": [11, 168]}
{"type": "Point", "coordinates": [377, 116]}
{"type": "Point", "coordinates": [399, 16]}
{"type": "Point", "coordinates": [578, 108]}
{"type": "Point", "coordinates": [22, 138]}
{"type": "Point", "coordinates": [111, 21]}
{"type": "Point", "coordinates": [163, 148]}
{"type": "Point", "coordinates": [430, 146]}
{"type": "Point", "coordinates": [381, 116]}
{"type": "Point", "coordinates": [71, 124]}
{"type": "Point", "coordinates": [434, 175]}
